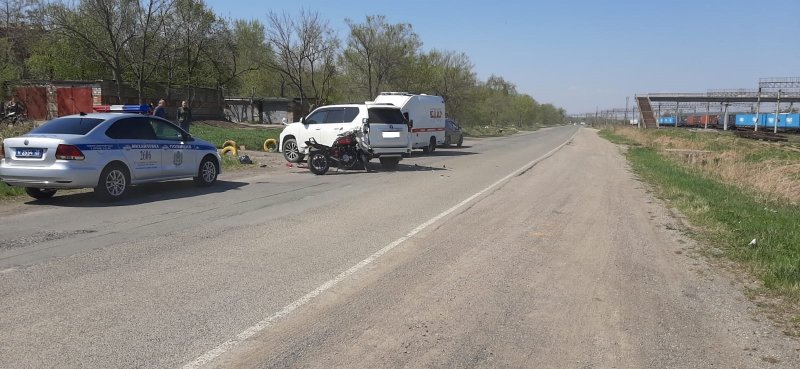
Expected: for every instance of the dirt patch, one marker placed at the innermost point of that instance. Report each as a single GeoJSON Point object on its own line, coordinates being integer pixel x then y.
{"type": "Point", "coordinates": [270, 162]}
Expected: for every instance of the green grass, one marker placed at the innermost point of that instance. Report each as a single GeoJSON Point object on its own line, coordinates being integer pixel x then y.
{"type": "Point", "coordinates": [231, 163]}
{"type": "Point", "coordinates": [7, 191]}
{"type": "Point", "coordinates": [729, 217]}
{"type": "Point", "coordinates": [252, 138]}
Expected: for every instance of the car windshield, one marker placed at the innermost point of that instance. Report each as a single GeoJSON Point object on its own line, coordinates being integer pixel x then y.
{"type": "Point", "coordinates": [68, 126]}
{"type": "Point", "coordinates": [388, 116]}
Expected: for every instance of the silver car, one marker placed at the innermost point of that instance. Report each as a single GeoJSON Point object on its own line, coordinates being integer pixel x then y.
{"type": "Point", "coordinates": [453, 134]}
{"type": "Point", "coordinates": [105, 151]}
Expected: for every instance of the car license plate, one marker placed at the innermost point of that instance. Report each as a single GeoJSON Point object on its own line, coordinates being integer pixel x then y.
{"type": "Point", "coordinates": [30, 153]}
{"type": "Point", "coordinates": [391, 134]}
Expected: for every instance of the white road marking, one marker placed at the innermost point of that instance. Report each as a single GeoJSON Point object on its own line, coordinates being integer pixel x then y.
{"type": "Point", "coordinates": [288, 309]}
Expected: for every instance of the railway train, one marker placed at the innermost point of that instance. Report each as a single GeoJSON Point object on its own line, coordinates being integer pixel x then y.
{"type": "Point", "coordinates": [786, 121]}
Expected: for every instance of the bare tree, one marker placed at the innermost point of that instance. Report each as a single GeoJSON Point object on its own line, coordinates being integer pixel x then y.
{"type": "Point", "coordinates": [15, 12]}
{"type": "Point", "coordinates": [147, 48]}
{"type": "Point", "coordinates": [305, 52]}
{"type": "Point", "coordinates": [238, 48]}
{"type": "Point", "coordinates": [377, 51]}
{"type": "Point", "coordinates": [103, 27]}
{"type": "Point", "coordinates": [195, 25]}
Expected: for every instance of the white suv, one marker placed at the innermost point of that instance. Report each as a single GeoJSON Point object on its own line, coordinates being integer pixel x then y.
{"type": "Point", "coordinates": [387, 129]}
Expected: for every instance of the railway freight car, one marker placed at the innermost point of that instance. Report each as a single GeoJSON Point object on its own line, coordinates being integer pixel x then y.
{"type": "Point", "coordinates": [786, 121]}
{"type": "Point", "coordinates": [667, 121]}
{"type": "Point", "coordinates": [701, 120]}
{"type": "Point", "coordinates": [750, 120]}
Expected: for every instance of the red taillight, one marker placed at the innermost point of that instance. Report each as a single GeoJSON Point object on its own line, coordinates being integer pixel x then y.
{"type": "Point", "coordinates": [69, 152]}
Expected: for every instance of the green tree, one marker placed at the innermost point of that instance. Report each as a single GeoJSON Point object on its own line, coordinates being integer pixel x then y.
{"type": "Point", "coordinates": [241, 57]}
{"type": "Point", "coordinates": [8, 61]}
{"type": "Point", "coordinates": [146, 48]}
{"type": "Point", "coordinates": [377, 51]}
{"type": "Point", "coordinates": [305, 53]}
{"type": "Point", "coordinates": [56, 56]}
{"type": "Point", "coordinates": [102, 27]}
{"type": "Point", "coordinates": [195, 26]}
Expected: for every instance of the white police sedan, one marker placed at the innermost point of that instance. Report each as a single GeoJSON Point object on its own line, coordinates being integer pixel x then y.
{"type": "Point", "coordinates": [105, 151]}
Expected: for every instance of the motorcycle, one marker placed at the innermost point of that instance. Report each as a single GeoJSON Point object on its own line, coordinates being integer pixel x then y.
{"type": "Point", "coordinates": [347, 151]}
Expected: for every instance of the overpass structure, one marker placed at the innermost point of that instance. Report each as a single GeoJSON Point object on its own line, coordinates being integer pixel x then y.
{"type": "Point", "coordinates": [771, 90]}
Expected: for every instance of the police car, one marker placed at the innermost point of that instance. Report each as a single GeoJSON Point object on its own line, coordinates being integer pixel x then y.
{"type": "Point", "coordinates": [108, 151]}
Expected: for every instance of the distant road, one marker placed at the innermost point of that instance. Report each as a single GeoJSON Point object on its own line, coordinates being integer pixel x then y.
{"type": "Point", "coordinates": [491, 255]}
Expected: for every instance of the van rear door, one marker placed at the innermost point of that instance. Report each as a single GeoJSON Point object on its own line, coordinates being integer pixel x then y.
{"type": "Point", "coordinates": [387, 128]}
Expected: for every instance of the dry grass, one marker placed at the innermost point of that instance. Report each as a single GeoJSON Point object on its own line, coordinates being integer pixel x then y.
{"type": "Point", "coordinates": [771, 170]}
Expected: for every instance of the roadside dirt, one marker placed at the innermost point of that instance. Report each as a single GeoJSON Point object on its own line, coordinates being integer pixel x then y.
{"type": "Point", "coordinates": [570, 265]}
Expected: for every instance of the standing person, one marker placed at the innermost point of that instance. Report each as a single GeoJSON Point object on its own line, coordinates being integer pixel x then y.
{"type": "Point", "coordinates": [12, 106]}
{"type": "Point", "coordinates": [184, 116]}
{"type": "Point", "coordinates": [160, 110]}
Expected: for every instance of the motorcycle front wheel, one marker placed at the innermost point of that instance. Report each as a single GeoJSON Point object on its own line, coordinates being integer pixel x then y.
{"type": "Point", "coordinates": [318, 163]}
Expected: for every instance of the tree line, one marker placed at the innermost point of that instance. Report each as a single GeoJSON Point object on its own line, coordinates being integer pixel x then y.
{"type": "Point", "coordinates": [183, 43]}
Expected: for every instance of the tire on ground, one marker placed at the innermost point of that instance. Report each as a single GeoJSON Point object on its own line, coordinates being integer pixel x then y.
{"type": "Point", "coordinates": [229, 150]}
{"type": "Point", "coordinates": [270, 145]}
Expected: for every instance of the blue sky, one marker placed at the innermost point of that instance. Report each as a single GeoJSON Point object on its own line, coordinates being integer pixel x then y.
{"type": "Point", "coordinates": [582, 55]}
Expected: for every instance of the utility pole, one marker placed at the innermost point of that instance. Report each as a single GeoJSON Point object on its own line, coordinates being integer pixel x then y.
{"type": "Point", "coordinates": [596, 113]}
{"type": "Point", "coordinates": [708, 106]}
{"type": "Point", "coordinates": [777, 112]}
{"type": "Point", "coordinates": [658, 119]}
{"type": "Point", "coordinates": [758, 109]}
{"type": "Point", "coordinates": [626, 109]}
{"type": "Point", "coordinates": [725, 116]}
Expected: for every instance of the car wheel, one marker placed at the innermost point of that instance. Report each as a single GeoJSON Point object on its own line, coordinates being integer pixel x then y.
{"type": "Point", "coordinates": [40, 193]}
{"type": "Point", "coordinates": [432, 145]}
{"type": "Point", "coordinates": [291, 152]}
{"type": "Point", "coordinates": [460, 141]}
{"type": "Point", "coordinates": [389, 163]}
{"type": "Point", "coordinates": [318, 163]}
{"type": "Point", "coordinates": [206, 173]}
{"type": "Point", "coordinates": [113, 183]}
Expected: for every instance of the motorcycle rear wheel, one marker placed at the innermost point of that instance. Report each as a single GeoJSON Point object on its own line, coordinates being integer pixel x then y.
{"type": "Point", "coordinates": [318, 163]}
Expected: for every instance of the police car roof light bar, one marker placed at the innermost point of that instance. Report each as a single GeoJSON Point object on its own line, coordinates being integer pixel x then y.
{"type": "Point", "coordinates": [140, 109]}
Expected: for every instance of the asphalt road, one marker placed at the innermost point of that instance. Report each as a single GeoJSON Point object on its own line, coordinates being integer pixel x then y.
{"type": "Point", "coordinates": [491, 255]}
